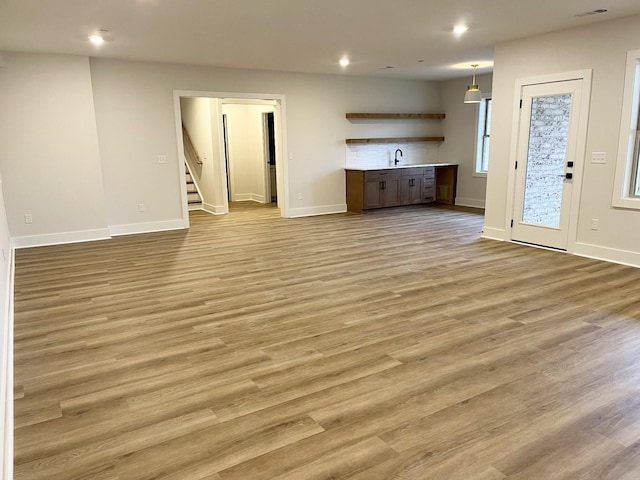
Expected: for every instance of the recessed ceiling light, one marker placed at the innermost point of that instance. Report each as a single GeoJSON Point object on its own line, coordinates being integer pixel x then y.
{"type": "Point", "coordinates": [344, 62]}
{"type": "Point", "coordinates": [96, 39]}
{"type": "Point", "coordinates": [460, 29]}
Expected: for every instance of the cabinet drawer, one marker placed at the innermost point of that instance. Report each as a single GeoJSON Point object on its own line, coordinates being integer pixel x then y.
{"type": "Point", "coordinates": [429, 172]}
{"type": "Point", "coordinates": [413, 172]}
{"type": "Point", "coordinates": [429, 183]}
{"type": "Point", "coordinates": [372, 175]}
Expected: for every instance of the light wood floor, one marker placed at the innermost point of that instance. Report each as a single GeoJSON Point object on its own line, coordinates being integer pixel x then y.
{"type": "Point", "coordinates": [391, 345]}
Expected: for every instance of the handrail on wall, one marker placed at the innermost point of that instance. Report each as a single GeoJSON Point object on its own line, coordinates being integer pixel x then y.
{"type": "Point", "coordinates": [190, 146]}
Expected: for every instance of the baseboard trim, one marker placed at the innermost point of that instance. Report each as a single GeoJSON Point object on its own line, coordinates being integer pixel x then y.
{"type": "Point", "coordinates": [470, 202]}
{"type": "Point", "coordinates": [623, 257]}
{"type": "Point", "coordinates": [312, 211]}
{"type": "Point", "coordinates": [248, 197]}
{"type": "Point", "coordinates": [149, 227]}
{"type": "Point", "coordinates": [61, 238]}
{"type": "Point", "coordinates": [494, 234]}
{"type": "Point", "coordinates": [214, 209]}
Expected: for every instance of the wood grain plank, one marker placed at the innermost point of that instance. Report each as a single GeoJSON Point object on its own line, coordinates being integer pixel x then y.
{"type": "Point", "coordinates": [396, 344]}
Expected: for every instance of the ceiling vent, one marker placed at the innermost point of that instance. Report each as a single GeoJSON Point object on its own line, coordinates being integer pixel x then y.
{"type": "Point", "coordinates": [592, 12]}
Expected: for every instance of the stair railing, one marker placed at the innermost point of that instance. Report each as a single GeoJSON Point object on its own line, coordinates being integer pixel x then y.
{"type": "Point", "coordinates": [189, 143]}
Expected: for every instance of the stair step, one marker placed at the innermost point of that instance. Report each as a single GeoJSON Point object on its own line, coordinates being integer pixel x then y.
{"type": "Point", "coordinates": [193, 197]}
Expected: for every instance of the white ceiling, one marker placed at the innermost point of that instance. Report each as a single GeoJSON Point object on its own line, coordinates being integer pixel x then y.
{"type": "Point", "coordinates": [295, 35]}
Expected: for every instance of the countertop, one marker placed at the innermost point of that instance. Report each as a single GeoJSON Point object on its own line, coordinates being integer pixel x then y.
{"type": "Point", "coordinates": [368, 168]}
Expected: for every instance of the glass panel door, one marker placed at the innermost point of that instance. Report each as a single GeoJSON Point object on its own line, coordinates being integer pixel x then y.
{"type": "Point", "coordinates": [546, 157]}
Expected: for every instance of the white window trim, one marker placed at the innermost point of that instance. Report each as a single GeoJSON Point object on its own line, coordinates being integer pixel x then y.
{"type": "Point", "coordinates": [478, 143]}
{"type": "Point", "coordinates": [628, 123]}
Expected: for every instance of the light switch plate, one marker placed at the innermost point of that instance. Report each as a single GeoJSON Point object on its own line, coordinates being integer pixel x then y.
{"type": "Point", "coordinates": [162, 159]}
{"type": "Point", "coordinates": [599, 157]}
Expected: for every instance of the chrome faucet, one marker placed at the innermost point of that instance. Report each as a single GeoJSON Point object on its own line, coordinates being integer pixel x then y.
{"type": "Point", "coordinates": [396, 160]}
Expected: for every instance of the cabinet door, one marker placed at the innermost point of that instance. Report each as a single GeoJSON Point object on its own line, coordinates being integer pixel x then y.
{"type": "Point", "coordinates": [391, 192]}
{"type": "Point", "coordinates": [372, 193]}
{"type": "Point", "coordinates": [411, 190]}
{"type": "Point", "coordinates": [415, 191]}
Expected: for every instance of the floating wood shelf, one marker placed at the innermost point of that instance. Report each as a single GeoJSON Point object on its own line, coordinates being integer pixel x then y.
{"type": "Point", "coordinates": [397, 115]}
{"type": "Point", "coordinates": [395, 140]}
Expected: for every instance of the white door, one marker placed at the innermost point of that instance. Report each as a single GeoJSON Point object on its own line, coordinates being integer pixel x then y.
{"type": "Point", "coordinates": [546, 161]}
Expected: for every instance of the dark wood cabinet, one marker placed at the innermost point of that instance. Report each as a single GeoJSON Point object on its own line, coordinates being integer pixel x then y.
{"type": "Point", "coordinates": [382, 188]}
{"type": "Point", "coordinates": [390, 187]}
{"type": "Point", "coordinates": [411, 186]}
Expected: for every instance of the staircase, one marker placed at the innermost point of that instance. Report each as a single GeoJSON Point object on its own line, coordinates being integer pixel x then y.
{"type": "Point", "coordinates": [193, 197]}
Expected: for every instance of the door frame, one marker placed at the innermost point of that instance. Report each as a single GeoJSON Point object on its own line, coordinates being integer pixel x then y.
{"type": "Point", "coordinates": [280, 125]}
{"type": "Point", "coordinates": [267, 153]}
{"type": "Point", "coordinates": [583, 121]}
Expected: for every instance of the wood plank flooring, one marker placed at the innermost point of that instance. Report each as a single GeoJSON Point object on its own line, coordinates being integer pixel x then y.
{"type": "Point", "coordinates": [391, 345]}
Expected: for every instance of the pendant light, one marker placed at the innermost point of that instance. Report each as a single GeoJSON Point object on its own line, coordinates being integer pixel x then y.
{"type": "Point", "coordinates": [473, 95]}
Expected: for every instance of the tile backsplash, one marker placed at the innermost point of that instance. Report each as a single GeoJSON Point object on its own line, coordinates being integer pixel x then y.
{"type": "Point", "coordinates": [382, 154]}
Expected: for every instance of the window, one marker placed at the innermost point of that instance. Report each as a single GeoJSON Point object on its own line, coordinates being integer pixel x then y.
{"type": "Point", "coordinates": [484, 136]}
{"type": "Point", "coordinates": [635, 189]}
{"type": "Point", "coordinates": [626, 192]}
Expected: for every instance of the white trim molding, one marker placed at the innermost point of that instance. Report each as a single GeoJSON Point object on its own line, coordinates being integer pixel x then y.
{"type": "Point", "coordinates": [148, 227]}
{"type": "Point", "coordinates": [495, 234]}
{"type": "Point", "coordinates": [597, 252]}
{"type": "Point", "coordinates": [214, 209]}
{"type": "Point", "coordinates": [248, 197]}
{"type": "Point", "coordinates": [470, 202]}
{"type": "Point", "coordinates": [323, 210]}
{"type": "Point", "coordinates": [61, 238]}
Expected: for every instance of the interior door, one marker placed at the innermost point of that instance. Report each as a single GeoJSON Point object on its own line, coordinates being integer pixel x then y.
{"type": "Point", "coordinates": [546, 159]}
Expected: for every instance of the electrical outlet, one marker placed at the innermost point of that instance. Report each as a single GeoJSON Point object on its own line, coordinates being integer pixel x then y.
{"type": "Point", "coordinates": [595, 224]}
{"type": "Point", "coordinates": [299, 196]}
{"type": "Point", "coordinates": [204, 155]}
{"type": "Point", "coordinates": [162, 159]}
{"type": "Point", "coordinates": [28, 218]}
{"type": "Point", "coordinates": [141, 207]}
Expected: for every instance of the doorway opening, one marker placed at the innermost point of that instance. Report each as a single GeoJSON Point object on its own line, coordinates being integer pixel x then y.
{"type": "Point", "coordinates": [270, 153]}
{"type": "Point", "coordinates": [240, 140]}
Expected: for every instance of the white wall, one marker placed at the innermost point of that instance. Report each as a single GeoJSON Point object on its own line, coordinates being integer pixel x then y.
{"type": "Point", "coordinates": [460, 131]}
{"type": "Point", "coordinates": [135, 123]}
{"type": "Point", "coordinates": [80, 138]}
{"type": "Point", "coordinates": [49, 149]}
{"type": "Point", "coordinates": [601, 47]}
{"type": "Point", "coordinates": [196, 116]}
{"type": "Point", "coordinates": [247, 161]}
